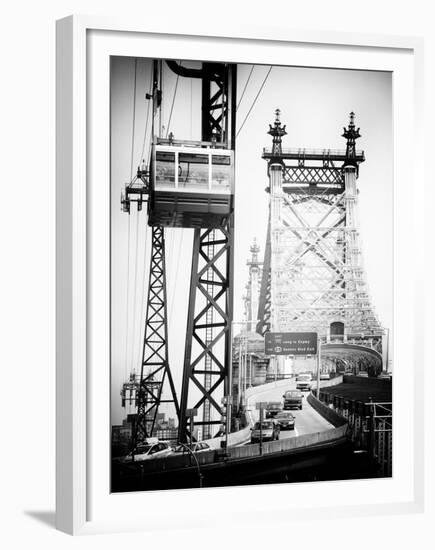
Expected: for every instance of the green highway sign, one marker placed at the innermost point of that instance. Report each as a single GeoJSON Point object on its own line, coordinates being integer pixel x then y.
{"type": "Point", "coordinates": [290, 343]}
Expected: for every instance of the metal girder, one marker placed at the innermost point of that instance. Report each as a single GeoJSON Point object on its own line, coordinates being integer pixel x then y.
{"type": "Point", "coordinates": [218, 103]}
{"type": "Point", "coordinates": [317, 275]}
{"type": "Point", "coordinates": [313, 175]}
{"type": "Point", "coordinates": [208, 351]}
{"type": "Point", "coordinates": [218, 98]}
{"type": "Point", "coordinates": [155, 378]}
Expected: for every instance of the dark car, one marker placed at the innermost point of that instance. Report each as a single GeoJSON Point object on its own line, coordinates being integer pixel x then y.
{"type": "Point", "coordinates": [293, 399]}
{"type": "Point", "coordinates": [273, 408]}
{"type": "Point", "coordinates": [285, 420]}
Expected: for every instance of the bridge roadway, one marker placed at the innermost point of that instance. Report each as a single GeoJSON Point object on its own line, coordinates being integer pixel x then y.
{"type": "Point", "coordinates": [317, 458]}
{"type": "Point", "coordinates": [307, 420]}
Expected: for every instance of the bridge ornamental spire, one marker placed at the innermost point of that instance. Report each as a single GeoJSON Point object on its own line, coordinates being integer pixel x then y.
{"type": "Point", "coordinates": [277, 132]}
{"type": "Point", "coordinates": [351, 134]}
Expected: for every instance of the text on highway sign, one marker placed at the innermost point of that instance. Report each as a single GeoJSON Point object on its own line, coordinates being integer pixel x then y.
{"type": "Point", "coordinates": [290, 343]}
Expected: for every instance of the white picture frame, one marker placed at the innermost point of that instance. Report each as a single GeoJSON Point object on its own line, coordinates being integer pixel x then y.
{"type": "Point", "coordinates": [84, 46]}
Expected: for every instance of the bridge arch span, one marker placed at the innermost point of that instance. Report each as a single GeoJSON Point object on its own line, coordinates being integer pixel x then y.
{"type": "Point", "coordinates": [353, 357]}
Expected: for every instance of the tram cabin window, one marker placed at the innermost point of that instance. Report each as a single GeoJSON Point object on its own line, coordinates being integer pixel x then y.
{"type": "Point", "coordinates": [221, 173]}
{"type": "Point", "coordinates": [165, 169]}
{"type": "Point", "coordinates": [193, 170]}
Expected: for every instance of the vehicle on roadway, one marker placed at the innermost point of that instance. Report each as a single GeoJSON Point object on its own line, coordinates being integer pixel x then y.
{"type": "Point", "coordinates": [293, 399]}
{"type": "Point", "coordinates": [268, 431]}
{"type": "Point", "coordinates": [303, 382]}
{"type": "Point", "coordinates": [147, 451]}
{"type": "Point", "coordinates": [325, 376]}
{"type": "Point", "coordinates": [285, 420]}
{"type": "Point", "coordinates": [273, 408]}
{"type": "Point", "coordinates": [198, 447]}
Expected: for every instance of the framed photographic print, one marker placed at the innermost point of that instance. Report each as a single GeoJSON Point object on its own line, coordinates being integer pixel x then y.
{"type": "Point", "coordinates": [237, 310]}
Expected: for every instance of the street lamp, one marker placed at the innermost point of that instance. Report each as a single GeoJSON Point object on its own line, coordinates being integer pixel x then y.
{"type": "Point", "coordinates": [243, 355]}
{"type": "Point", "coordinates": [319, 363]}
{"type": "Point", "coordinates": [196, 461]}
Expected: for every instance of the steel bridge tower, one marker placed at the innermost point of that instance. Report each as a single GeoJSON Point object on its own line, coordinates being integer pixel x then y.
{"type": "Point", "coordinates": [253, 288]}
{"type": "Point", "coordinates": [313, 278]}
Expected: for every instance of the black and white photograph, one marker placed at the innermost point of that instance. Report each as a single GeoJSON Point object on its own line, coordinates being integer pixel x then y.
{"type": "Point", "coordinates": [251, 274]}
{"type": "Point", "coordinates": [217, 277]}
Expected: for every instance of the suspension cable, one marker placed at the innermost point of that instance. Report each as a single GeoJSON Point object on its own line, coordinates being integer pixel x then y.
{"type": "Point", "coordinates": [191, 96]}
{"type": "Point", "coordinates": [174, 286]}
{"type": "Point", "coordinates": [255, 99]}
{"type": "Point", "coordinates": [134, 119]}
{"type": "Point", "coordinates": [127, 316]}
{"type": "Point", "coordinates": [148, 114]}
{"type": "Point", "coordinates": [172, 106]}
{"type": "Point", "coordinates": [135, 285]}
{"type": "Point", "coordinates": [244, 89]}
{"type": "Point", "coordinates": [142, 300]}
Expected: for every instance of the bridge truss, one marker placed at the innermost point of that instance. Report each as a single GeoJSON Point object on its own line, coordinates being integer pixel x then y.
{"type": "Point", "coordinates": [313, 276]}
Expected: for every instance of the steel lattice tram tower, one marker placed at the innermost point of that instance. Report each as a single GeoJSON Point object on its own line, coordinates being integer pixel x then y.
{"type": "Point", "coordinates": [313, 279]}
{"type": "Point", "coordinates": [189, 184]}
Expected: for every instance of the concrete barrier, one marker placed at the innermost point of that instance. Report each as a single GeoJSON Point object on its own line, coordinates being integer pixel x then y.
{"type": "Point", "coordinates": [235, 438]}
{"type": "Point", "coordinates": [329, 414]}
{"type": "Point", "coordinates": [292, 443]}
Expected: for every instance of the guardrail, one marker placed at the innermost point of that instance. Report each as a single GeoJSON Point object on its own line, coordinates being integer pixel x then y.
{"type": "Point", "coordinates": [369, 427]}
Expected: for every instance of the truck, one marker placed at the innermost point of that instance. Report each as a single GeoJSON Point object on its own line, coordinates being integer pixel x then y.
{"type": "Point", "coordinates": [293, 399]}
{"type": "Point", "coordinates": [303, 382]}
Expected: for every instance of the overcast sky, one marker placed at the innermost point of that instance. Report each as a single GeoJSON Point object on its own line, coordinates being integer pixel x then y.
{"type": "Point", "coordinates": [315, 104]}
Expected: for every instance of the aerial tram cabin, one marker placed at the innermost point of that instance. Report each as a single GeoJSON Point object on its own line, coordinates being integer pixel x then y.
{"type": "Point", "coordinates": [191, 184]}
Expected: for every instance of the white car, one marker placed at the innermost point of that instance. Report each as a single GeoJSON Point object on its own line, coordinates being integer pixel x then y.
{"type": "Point", "coordinates": [147, 451]}
{"type": "Point", "coordinates": [198, 447]}
{"type": "Point", "coordinates": [268, 431]}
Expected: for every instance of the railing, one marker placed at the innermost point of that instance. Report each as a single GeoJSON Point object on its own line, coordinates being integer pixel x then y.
{"type": "Point", "coordinates": [370, 427]}
{"type": "Point", "coordinates": [320, 153]}
{"type": "Point", "coordinates": [191, 143]}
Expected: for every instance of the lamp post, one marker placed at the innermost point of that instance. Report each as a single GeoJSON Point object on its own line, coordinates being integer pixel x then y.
{"type": "Point", "coordinates": [319, 359]}
{"type": "Point", "coordinates": [196, 461]}
{"type": "Point", "coordinates": [243, 356]}
{"type": "Point", "coordinates": [260, 406]}
{"type": "Point", "coordinates": [191, 413]}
